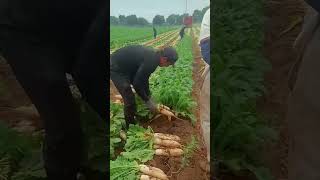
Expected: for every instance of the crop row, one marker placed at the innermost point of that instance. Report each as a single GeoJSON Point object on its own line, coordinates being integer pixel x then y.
{"type": "Point", "coordinates": [173, 86]}
{"type": "Point", "coordinates": [120, 36]}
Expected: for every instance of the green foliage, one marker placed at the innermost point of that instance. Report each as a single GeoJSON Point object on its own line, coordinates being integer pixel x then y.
{"type": "Point", "coordinates": [95, 138]}
{"type": "Point", "coordinates": [138, 138]}
{"type": "Point", "coordinates": [138, 148]}
{"type": "Point", "coordinates": [173, 86]}
{"type": "Point", "coordinates": [114, 20]}
{"type": "Point", "coordinates": [123, 169]}
{"type": "Point", "coordinates": [20, 156]}
{"type": "Point", "coordinates": [5, 167]}
{"type": "Point", "coordinates": [158, 20]}
{"type": "Point", "coordinates": [121, 36]}
{"type": "Point", "coordinates": [188, 151]}
{"type": "Point", "coordinates": [143, 112]}
{"type": "Point", "coordinates": [117, 122]}
{"type": "Point", "coordinates": [140, 155]}
{"type": "Point", "coordinates": [31, 168]}
{"type": "Point", "coordinates": [238, 73]}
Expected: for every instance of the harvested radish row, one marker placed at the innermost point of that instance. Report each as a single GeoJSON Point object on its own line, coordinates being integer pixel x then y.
{"type": "Point", "coordinates": [146, 177]}
{"type": "Point", "coordinates": [169, 152]}
{"type": "Point", "coordinates": [166, 143]}
{"type": "Point", "coordinates": [168, 113]}
{"type": "Point", "coordinates": [167, 136]}
{"type": "Point", "coordinates": [161, 106]}
{"type": "Point", "coordinates": [153, 172]}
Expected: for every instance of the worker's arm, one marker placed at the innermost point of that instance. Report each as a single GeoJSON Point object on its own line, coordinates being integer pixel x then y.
{"type": "Point", "coordinates": [141, 82]}
{"type": "Point", "coordinates": [141, 86]}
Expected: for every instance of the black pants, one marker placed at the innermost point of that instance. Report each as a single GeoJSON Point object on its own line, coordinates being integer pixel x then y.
{"type": "Point", "coordinates": [122, 83]}
{"type": "Point", "coordinates": [40, 67]}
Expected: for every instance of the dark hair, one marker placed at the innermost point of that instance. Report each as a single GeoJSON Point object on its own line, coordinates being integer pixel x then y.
{"type": "Point", "coordinates": [171, 54]}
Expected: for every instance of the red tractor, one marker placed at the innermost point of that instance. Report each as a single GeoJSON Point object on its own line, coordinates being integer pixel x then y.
{"type": "Point", "coordinates": [187, 21]}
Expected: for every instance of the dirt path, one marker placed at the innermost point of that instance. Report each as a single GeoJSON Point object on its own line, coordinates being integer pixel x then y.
{"type": "Point", "coordinates": [282, 27]}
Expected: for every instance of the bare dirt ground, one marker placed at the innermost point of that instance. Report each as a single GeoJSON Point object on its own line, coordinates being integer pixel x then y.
{"type": "Point", "coordinates": [16, 109]}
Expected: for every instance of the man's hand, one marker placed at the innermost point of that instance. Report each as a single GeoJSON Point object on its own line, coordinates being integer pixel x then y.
{"type": "Point", "coordinates": [152, 106]}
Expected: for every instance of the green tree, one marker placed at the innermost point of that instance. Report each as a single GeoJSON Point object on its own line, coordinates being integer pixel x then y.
{"type": "Point", "coordinates": [142, 21]}
{"type": "Point", "coordinates": [114, 20]}
{"type": "Point", "coordinates": [158, 20]}
{"type": "Point", "coordinates": [197, 16]}
{"type": "Point", "coordinates": [172, 19]}
{"type": "Point", "coordinates": [132, 20]}
{"type": "Point", "coordinates": [122, 20]}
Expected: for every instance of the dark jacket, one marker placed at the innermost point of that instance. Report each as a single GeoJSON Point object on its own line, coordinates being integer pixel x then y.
{"type": "Point", "coordinates": [182, 32]}
{"type": "Point", "coordinates": [56, 20]}
{"type": "Point", "coordinates": [315, 4]}
{"type": "Point", "coordinates": [154, 32]}
{"type": "Point", "coordinates": [136, 63]}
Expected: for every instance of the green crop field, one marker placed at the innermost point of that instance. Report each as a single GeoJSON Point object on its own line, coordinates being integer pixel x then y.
{"type": "Point", "coordinates": [125, 35]}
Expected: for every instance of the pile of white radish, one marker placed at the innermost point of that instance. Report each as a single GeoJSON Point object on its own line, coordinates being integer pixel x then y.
{"type": "Point", "coordinates": [118, 100]}
{"type": "Point", "coordinates": [152, 173]}
{"type": "Point", "coordinates": [166, 111]}
{"type": "Point", "coordinates": [167, 145]}
{"type": "Point", "coordinates": [164, 144]}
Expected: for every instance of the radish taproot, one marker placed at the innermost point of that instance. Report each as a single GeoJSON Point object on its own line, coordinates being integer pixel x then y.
{"type": "Point", "coordinates": [154, 172]}
{"type": "Point", "coordinates": [169, 152]}
{"type": "Point", "coordinates": [144, 177]}
{"type": "Point", "coordinates": [167, 113]}
{"type": "Point", "coordinates": [167, 136]}
{"type": "Point", "coordinates": [166, 143]}
{"type": "Point", "coordinates": [123, 135]}
{"type": "Point", "coordinates": [118, 97]}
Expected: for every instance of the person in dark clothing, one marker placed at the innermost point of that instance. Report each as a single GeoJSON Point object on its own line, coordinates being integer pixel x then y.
{"type": "Point", "coordinates": [133, 65]}
{"type": "Point", "coordinates": [314, 4]}
{"type": "Point", "coordinates": [182, 32]}
{"type": "Point", "coordinates": [303, 100]}
{"type": "Point", "coordinates": [42, 41]}
{"type": "Point", "coordinates": [154, 33]}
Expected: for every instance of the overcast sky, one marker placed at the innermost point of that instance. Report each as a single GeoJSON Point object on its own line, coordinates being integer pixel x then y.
{"type": "Point", "coordinates": [149, 8]}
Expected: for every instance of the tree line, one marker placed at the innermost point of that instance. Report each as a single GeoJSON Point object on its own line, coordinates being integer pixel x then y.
{"type": "Point", "coordinates": [173, 19]}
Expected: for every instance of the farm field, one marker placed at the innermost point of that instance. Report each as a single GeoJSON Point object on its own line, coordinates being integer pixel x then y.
{"type": "Point", "coordinates": [122, 35]}
{"type": "Point", "coordinates": [178, 89]}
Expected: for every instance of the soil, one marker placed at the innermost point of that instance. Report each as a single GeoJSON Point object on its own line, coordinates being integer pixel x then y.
{"type": "Point", "coordinates": [281, 29]}
{"type": "Point", "coordinates": [171, 166]}
{"type": "Point", "coordinates": [16, 109]}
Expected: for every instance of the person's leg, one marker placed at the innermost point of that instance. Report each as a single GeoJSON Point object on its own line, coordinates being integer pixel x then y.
{"type": "Point", "coordinates": [123, 85]}
{"type": "Point", "coordinates": [304, 116]}
{"type": "Point", "coordinates": [90, 71]}
{"type": "Point", "coordinates": [205, 110]}
{"type": "Point", "coordinates": [40, 70]}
